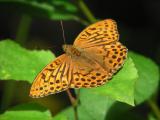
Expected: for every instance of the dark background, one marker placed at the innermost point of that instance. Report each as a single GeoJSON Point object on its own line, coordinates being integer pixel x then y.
{"type": "Point", "coordinates": [138, 23]}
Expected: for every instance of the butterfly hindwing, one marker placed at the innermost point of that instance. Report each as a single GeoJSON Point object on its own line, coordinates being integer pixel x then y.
{"type": "Point", "coordinates": [87, 74]}
{"type": "Point", "coordinates": [111, 57]}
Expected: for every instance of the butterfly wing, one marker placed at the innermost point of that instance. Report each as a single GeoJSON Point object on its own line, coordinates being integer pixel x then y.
{"type": "Point", "coordinates": [99, 33]}
{"type": "Point", "coordinates": [87, 73]}
{"type": "Point", "coordinates": [111, 57]}
{"type": "Point", "coordinates": [66, 72]}
{"type": "Point", "coordinates": [99, 42]}
{"type": "Point", "coordinates": [54, 78]}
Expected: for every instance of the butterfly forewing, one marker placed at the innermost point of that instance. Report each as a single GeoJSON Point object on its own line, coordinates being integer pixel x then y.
{"type": "Point", "coordinates": [102, 32]}
{"type": "Point", "coordinates": [52, 79]}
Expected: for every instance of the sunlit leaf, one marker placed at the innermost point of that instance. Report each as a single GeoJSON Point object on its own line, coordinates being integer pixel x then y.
{"type": "Point", "coordinates": [148, 80]}
{"type": "Point", "coordinates": [18, 63]}
{"type": "Point", "coordinates": [121, 87]}
{"type": "Point", "coordinates": [26, 112]}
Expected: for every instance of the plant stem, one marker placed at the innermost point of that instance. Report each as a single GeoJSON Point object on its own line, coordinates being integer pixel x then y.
{"type": "Point", "coordinates": [86, 11]}
{"type": "Point", "coordinates": [23, 29]}
{"type": "Point", "coordinates": [74, 102]}
{"type": "Point", "coordinates": [154, 108]}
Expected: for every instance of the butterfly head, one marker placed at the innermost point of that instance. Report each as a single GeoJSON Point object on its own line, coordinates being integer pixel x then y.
{"type": "Point", "coordinates": [71, 50]}
{"type": "Point", "coordinates": [66, 47]}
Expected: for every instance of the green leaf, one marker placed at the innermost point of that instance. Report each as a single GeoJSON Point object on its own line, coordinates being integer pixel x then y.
{"type": "Point", "coordinates": [66, 4]}
{"type": "Point", "coordinates": [148, 80]}
{"type": "Point", "coordinates": [51, 9]}
{"type": "Point", "coordinates": [18, 63]}
{"type": "Point", "coordinates": [121, 87]}
{"type": "Point", "coordinates": [68, 114]}
{"type": "Point", "coordinates": [100, 102]}
{"type": "Point", "coordinates": [95, 105]}
{"type": "Point", "coordinates": [117, 110]}
{"type": "Point", "coordinates": [95, 109]}
{"type": "Point", "coordinates": [26, 112]}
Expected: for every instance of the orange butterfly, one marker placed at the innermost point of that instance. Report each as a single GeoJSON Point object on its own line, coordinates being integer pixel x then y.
{"type": "Point", "coordinates": [90, 62]}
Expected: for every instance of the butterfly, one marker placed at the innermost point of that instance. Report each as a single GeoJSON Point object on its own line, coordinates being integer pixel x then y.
{"type": "Point", "coordinates": [91, 61]}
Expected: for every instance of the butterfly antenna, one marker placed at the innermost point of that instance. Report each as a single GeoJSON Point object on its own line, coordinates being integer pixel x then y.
{"type": "Point", "coordinates": [64, 39]}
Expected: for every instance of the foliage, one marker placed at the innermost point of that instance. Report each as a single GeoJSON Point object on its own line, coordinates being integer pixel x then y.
{"type": "Point", "coordinates": [25, 112]}
{"type": "Point", "coordinates": [20, 63]}
{"type": "Point", "coordinates": [131, 86]}
{"type": "Point", "coordinates": [148, 79]}
{"type": "Point", "coordinates": [51, 9]}
{"type": "Point", "coordinates": [120, 88]}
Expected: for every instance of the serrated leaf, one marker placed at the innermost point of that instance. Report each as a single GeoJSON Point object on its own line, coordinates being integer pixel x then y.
{"type": "Point", "coordinates": [121, 87]}
{"type": "Point", "coordinates": [148, 80]}
{"type": "Point", "coordinates": [17, 63]}
{"type": "Point", "coordinates": [97, 102]}
{"type": "Point", "coordinates": [25, 112]}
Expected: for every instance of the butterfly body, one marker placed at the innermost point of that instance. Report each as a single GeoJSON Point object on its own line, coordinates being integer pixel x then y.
{"type": "Point", "coordinates": [91, 61]}
{"type": "Point", "coordinates": [71, 50]}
